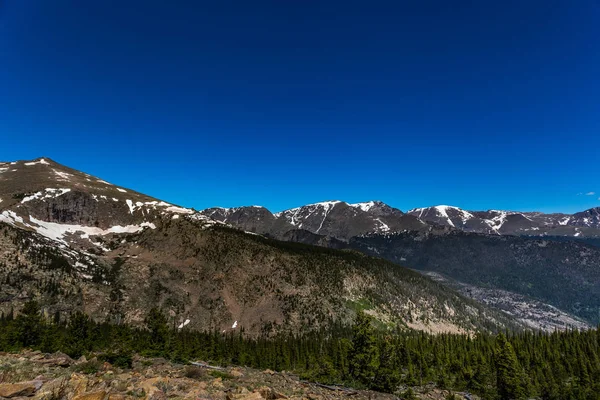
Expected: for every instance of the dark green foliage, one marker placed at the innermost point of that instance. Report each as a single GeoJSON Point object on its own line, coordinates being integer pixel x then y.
{"type": "Point", "coordinates": [509, 379]}
{"type": "Point", "coordinates": [79, 334]}
{"type": "Point", "coordinates": [89, 367]}
{"type": "Point", "coordinates": [363, 356]}
{"type": "Point", "coordinates": [543, 268]}
{"type": "Point", "coordinates": [193, 372]}
{"type": "Point", "coordinates": [121, 359]}
{"type": "Point", "coordinates": [560, 365]}
{"type": "Point", "coordinates": [28, 325]}
{"type": "Point", "coordinates": [220, 374]}
{"type": "Point", "coordinates": [156, 322]}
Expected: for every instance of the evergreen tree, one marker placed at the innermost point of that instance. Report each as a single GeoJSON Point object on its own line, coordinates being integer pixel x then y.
{"type": "Point", "coordinates": [363, 352]}
{"type": "Point", "coordinates": [29, 325]}
{"type": "Point", "coordinates": [509, 379]}
{"type": "Point", "coordinates": [156, 322]}
{"type": "Point", "coordinates": [387, 377]}
{"type": "Point", "coordinates": [79, 331]}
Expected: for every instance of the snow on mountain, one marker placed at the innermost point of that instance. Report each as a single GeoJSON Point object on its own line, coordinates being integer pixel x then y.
{"type": "Point", "coordinates": [365, 206]}
{"type": "Point", "coordinates": [63, 204]}
{"type": "Point", "coordinates": [448, 216]}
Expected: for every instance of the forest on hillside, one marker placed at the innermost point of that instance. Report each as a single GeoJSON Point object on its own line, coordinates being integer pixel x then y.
{"type": "Point", "coordinates": [560, 365]}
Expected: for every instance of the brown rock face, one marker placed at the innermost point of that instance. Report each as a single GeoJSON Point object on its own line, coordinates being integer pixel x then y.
{"type": "Point", "coordinates": [99, 395]}
{"type": "Point", "coordinates": [271, 394]}
{"type": "Point", "coordinates": [10, 390]}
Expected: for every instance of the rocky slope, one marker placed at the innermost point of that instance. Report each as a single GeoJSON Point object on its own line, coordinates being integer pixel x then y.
{"type": "Point", "coordinates": [493, 251]}
{"type": "Point", "coordinates": [563, 274]}
{"type": "Point", "coordinates": [529, 311]}
{"type": "Point", "coordinates": [39, 376]}
{"type": "Point", "coordinates": [76, 242]}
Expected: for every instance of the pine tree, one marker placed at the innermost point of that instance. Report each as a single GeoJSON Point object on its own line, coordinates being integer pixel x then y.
{"type": "Point", "coordinates": [387, 378]}
{"type": "Point", "coordinates": [29, 324]}
{"type": "Point", "coordinates": [156, 322]}
{"type": "Point", "coordinates": [508, 371]}
{"type": "Point", "coordinates": [363, 353]}
{"type": "Point", "coordinates": [79, 330]}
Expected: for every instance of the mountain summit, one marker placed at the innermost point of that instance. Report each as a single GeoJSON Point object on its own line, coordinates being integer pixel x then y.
{"type": "Point", "coordinates": [73, 241]}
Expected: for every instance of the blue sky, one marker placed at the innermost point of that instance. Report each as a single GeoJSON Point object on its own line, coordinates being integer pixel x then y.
{"type": "Point", "coordinates": [478, 104]}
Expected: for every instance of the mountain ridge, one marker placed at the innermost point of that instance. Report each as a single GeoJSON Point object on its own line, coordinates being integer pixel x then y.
{"type": "Point", "coordinates": [78, 243]}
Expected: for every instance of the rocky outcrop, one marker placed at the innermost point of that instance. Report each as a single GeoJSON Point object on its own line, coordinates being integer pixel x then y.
{"type": "Point", "coordinates": [10, 390]}
{"type": "Point", "coordinates": [155, 379]}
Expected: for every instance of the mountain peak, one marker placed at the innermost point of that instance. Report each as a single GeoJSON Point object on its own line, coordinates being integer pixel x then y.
{"type": "Point", "coordinates": [368, 205]}
{"type": "Point", "coordinates": [64, 204]}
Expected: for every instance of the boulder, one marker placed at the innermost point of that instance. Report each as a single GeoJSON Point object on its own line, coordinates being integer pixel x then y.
{"type": "Point", "coordinates": [59, 359]}
{"type": "Point", "coordinates": [99, 395]}
{"type": "Point", "coordinates": [271, 394]}
{"type": "Point", "coordinates": [249, 396]}
{"type": "Point", "coordinates": [150, 388]}
{"type": "Point", "coordinates": [21, 389]}
{"type": "Point", "coordinates": [236, 372]}
{"type": "Point", "coordinates": [78, 384]}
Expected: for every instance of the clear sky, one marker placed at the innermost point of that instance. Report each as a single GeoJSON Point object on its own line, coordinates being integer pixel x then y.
{"type": "Point", "coordinates": [478, 104]}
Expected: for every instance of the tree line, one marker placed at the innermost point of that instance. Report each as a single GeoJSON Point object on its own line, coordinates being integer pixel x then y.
{"type": "Point", "coordinates": [559, 365]}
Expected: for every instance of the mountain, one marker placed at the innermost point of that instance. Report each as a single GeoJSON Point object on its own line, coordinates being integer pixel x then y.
{"type": "Point", "coordinates": [58, 202]}
{"type": "Point", "coordinates": [76, 242]}
{"type": "Point", "coordinates": [589, 218]}
{"type": "Point", "coordinates": [583, 224]}
{"type": "Point", "coordinates": [531, 256]}
{"type": "Point", "coordinates": [562, 274]}
{"type": "Point", "coordinates": [336, 219]}
{"type": "Point", "coordinates": [341, 220]}
{"type": "Point", "coordinates": [254, 219]}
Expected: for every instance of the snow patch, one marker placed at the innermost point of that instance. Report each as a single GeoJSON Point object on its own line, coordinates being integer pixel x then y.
{"type": "Point", "coordinates": [564, 221]}
{"type": "Point", "coordinates": [383, 227]}
{"type": "Point", "coordinates": [48, 193]}
{"type": "Point", "coordinates": [122, 190]}
{"type": "Point", "coordinates": [443, 211]}
{"type": "Point", "coordinates": [63, 175]}
{"type": "Point", "coordinates": [56, 231]}
{"type": "Point", "coordinates": [184, 323]}
{"type": "Point", "coordinates": [179, 210]}
{"type": "Point", "coordinates": [366, 206]}
{"type": "Point", "coordinates": [40, 161]}
{"type": "Point", "coordinates": [235, 324]}
{"type": "Point", "coordinates": [130, 205]}
{"type": "Point", "coordinates": [10, 217]}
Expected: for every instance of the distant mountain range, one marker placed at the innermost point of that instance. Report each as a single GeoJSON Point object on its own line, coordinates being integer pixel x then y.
{"type": "Point", "coordinates": [78, 242]}
{"type": "Point", "coordinates": [73, 241]}
{"type": "Point", "coordinates": [344, 221]}
{"type": "Point", "coordinates": [547, 258]}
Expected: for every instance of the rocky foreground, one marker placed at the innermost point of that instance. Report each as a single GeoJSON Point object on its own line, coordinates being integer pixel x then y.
{"type": "Point", "coordinates": [35, 375]}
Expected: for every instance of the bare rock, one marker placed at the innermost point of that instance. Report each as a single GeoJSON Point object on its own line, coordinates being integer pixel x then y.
{"type": "Point", "coordinates": [99, 395]}
{"type": "Point", "coordinates": [59, 359]}
{"type": "Point", "coordinates": [236, 372]}
{"type": "Point", "coordinates": [119, 396]}
{"type": "Point", "coordinates": [10, 390]}
{"type": "Point", "coordinates": [218, 383]}
{"type": "Point", "coordinates": [270, 394]}
{"type": "Point", "coordinates": [78, 384]}
{"type": "Point", "coordinates": [249, 396]}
